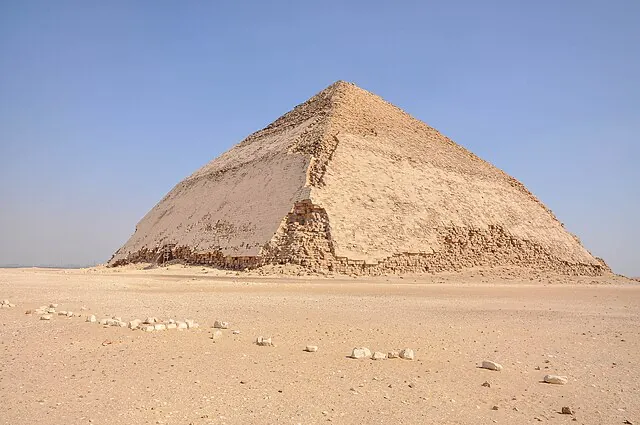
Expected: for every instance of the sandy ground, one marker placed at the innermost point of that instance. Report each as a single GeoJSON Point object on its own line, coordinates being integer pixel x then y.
{"type": "Point", "coordinates": [59, 372]}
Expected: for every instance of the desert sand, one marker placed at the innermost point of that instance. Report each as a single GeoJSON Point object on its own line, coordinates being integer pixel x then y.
{"type": "Point", "coordinates": [68, 371]}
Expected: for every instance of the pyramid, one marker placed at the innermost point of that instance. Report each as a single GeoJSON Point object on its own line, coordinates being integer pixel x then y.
{"type": "Point", "coordinates": [347, 182]}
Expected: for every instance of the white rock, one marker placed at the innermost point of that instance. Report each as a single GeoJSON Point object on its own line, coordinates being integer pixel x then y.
{"type": "Point", "coordinates": [117, 318]}
{"type": "Point", "coordinates": [50, 310]}
{"type": "Point", "coordinates": [4, 302]}
{"type": "Point", "coordinates": [407, 354]}
{"type": "Point", "coordinates": [103, 322]}
{"type": "Point", "coordinates": [121, 324]}
{"type": "Point", "coordinates": [311, 348]}
{"type": "Point", "coordinates": [236, 332]}
{"type": "Point", "coordinates": [112, 322]}
{"type": "Point", "coordinates": [91, 319]}
{"type": "Point", "coordinates": [191, 324]}
{"type": "Point", "coordinates": [393, 354]}
{"type": "Point", "coordinates": [555, 379]}
{"type": "Point", "coordinates": [69, 313]}
{"type": "Point", "coordinates": [148, 328]}
{"type": "Point", "coordinates": [378, 356]}
{"type": "Point", "coordinates": [487, 364]}
{"type": "Point", "coordinates": [62, 313]}
{"type": "Point", "coordinates": [160, 327]}
{"type": "Point", "coordinates": [53, 305]}
{"type": "Point", "coordinates": [45, 317]}
{"type": "Point", "coordinates": [134, 324]}
{"type": "Point", "coordinates": [216, 335]}
{"type": "Point", "coordinates": [360, 353]}
{"type": "Point", "coordinates": [264, 342]}
{"type": "Point", "coordinates": [219, 324]}
{"type": "Point", "coordinates": [181, 325]}
{"type": "Point", "coordinates": [171, 326]}
{"type": "Point", "coordinates": [171, 321]}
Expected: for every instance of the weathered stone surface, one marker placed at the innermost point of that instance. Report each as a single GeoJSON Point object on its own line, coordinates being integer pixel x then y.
{"type": "Point", "coordinates": [360, 353]}
{"type": "Point", "coordinates": [172, 326]}
{"type": "Point", "coordinates": [50, 310]}
{"type": "Point", "coordinates": [53, 305]}
{"type": "Point", "coordinates": [150, 320]}
{"type": "Point", "coordinates": [191, 324]}
{"type": "Point", "coordinates": [62, 313]}
{"type": "Point", "coordinates": [393, 354]}
{"type": "Point", "coordinates": [46, 317]}
{"type": "Point", "coordinates": [566, 410]}
{"type": "Point", "coordinates": [378, 356]}
{"type": "Point", "coordinates": [181, 325]}
{"type": "Point", "coordinates": [407, 354]}
{"type": "Point", "coordinates": [311, 348]}
{"type": "Point", "coordinates": [556, 379]}
{"type": "Point", "coordinates": [148, 328]}
{"type": "Point", "coordinates": [219, 324]}
{"type": "Point", "coordinates": [69, 314]}
{"type": "Point", "coordinates": [264, 342]}
{"type": "Point", "coordinates": [487, 364]}
{"type": "Point", "coordinates": [91, 319]}
{"type": "Point", "coordinates": [160, 327]}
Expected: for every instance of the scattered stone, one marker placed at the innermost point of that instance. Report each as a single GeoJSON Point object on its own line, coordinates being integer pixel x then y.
{"type": "Point", "coordinates": [191, 324]}
{"type": "Point", "coordinates": [160, 327]}
{"type": "Point", "coordinates": [170, 321]}
{"type": "Point", "coordinates": [494, 408]}
{"type": "Point", "coordinates": [181, 325]}
{"type": "Point", "coordinates": [150, 320]}
{"type": "Point", "coordinates": [134, 324]}
{"type": "Point", "coordinates": [117, 318]}
{"type": "Point", "coordinates": [486, 384]}
{"type": "Point", "coordinates": [62, 313]}
{"type": "Point", "coordinates": [50, 310]}
{"type": "Point", "coordinates": [393, 354]}
{"type": "Point", "coordinates": [378, 356]}
{"type": "Point", "coordinates": [555, 379]}
{"type": "Point", "coordinates": [236, 332]}
{"type": "Point", "coordinates": [69, 313]}
{"type": "Point", "coordinates": [91, 319]}
{"type": "Point", "coordinates": [6, 304]}
{"type": "Point", "coordinates": [216, 335]}
{"type": "Point", "coordinates": [45, 317]}
{"type": "Point", "coordinates": [566, 410]}
{"type": "Point", "coordinates": [107, 342]}
{"type": "Point", "coordinates": [407, 354]}
{"type": "Point", "coordinates": [487, 364]}
{"type": "Point", "coordinates": [28, 312]}
{"type": "Point", "coordinates": [103, 322]}
{"type": "Point", "coordinates": [148, 328]}
{"type": "Point", "coordinates": [83, 308]}
{"type": "Point", "coordinates": [361, 353]}
{"type": "Point", "coordinates": [171, 326]}
{"type": "Point", "coordinates": [311, 348]}
{"type": "Point", "coordinates": [220, 324]}
{"type": "Point", "coordinates": [264, 342]}
{"type": "Point", "coordinates": [53, 305]}
{"type": "Point", "coordinates": [121, 324]}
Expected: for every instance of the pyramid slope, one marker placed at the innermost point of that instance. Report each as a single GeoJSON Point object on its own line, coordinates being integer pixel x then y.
{"type": "Point", "coordinates": [349, 182]}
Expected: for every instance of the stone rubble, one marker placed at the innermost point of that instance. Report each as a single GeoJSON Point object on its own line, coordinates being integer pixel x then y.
{"type": "Point", "coordinates": [218, 324]}
{"type": "Point", "coordinates": [6, 304]}
{"type": "Point", "coordinates": [264, 342]}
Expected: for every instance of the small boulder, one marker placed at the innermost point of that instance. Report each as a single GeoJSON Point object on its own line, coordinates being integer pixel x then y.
{"type": "Point", "coordinates": [171, 326]}
{"type": "Point", "coordinates": [264, 342]}
{"type": "Point", "coordinates": [360, 353]}
{"type": "Point", "coordinates": [62, 313]}
{"type": "Point", "coordinates": [236, 332]}
{"type": "Point", "coordinates": [566, 410]}
{"type": "Point", "coordinates": [150, 320]}
{"type": "Point", "coordinates": [219, 324]}
{"type": "Point", "coordinates": [45, 317]}
{"type": "Point", "coordinates": [191, 324]}
{"type": "Point", "coordinates": [69, 313]}
{"type": "Point", "coordinates": [134, 324]}
{"type": "Point", "coordinates": [311, 348]}
{"type": "Point", "coordinates": [487, 364]}
{"type": "Point", "coordinates": [160, 327]}
{"type": "Point", "coordinates": [181, 325]}
{"type": "Point", "coordinates": [148, 328]}
{"type": "Point", "coordinates": [555, 379]}
{"type": "Point", "coordinates": [378, 356]}
{"type": "Point", "coordinates": [50, 310]}
{"type": "Point", "coordinates": [52, 305]}
{"type": "Point", "coordinates": [91, 319]}
{"type": "Point", "coordinates": [407, 354]}
{"type": "Point", "coordinates": [393, 354]}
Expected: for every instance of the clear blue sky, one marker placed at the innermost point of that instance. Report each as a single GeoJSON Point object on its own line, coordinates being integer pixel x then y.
{"type": "Point", "coordinates": [105, 106]}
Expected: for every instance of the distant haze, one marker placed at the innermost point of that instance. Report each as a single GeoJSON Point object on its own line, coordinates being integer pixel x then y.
{"type": "Point", "coordinates": [105, 106]}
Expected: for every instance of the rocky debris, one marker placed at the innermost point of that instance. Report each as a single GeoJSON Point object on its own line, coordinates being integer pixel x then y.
{"type": "Point", "coordinates": [488, 364]}
{"type": "Point", "coordinates": [53, 305]}
{"type": "Point", "coordinates": [121, 324]}
{"type": "Point", "coordinates": [191, 324]}
{"type": "Point", "coordinates": [172, 326]}
{"type": "Point", "coordinates": [407, 354]}
{"type": "Point", "coordinates": [566, 410]}
{"type": "Point", "coordinates": [216, 335]}
{"type": "Point", "coordinates": [236, 332]}
{"type": "Point", "coordinates": [28, 312]}
{"type": "Point", "coordinates": [378, 356]}
{"type": "Point", "coordinates": [264, 342]}
{"type": "Point", "coordinates": [181, 325]}
{"type": "Point", "coordinates": [159, 327]}
{"type": "Point", "coordinates": [46, 317]}
{"type": "Point", "coordinates": [494, 408]}
{"type": "Point", "coordinates": [91, 318]}
{"type": "Point", "coordinates": [486, 384]}
{"type": "Point", "coordinates": [393, 354]}
{"type": "Point", "coordinates": [50, 310]}
{"type": "Point", "coordinates": [148, 328]}
{"type": "Point", "coordinates": [311, 348]}
{"type": "Point", "coordinates": [361, 353]}
{"type": "Point", "coordinates": [150, 320]}
{"type": "Point", "coordinates": [6, 304]}
{"type": "Point", "coordinates": [556, 379]}
{"type": "Point", "coordinates": [69, 313]}
{"type": "Point", "coordinates": [134, 324]}
{"type": "Point", "coordinates": [218, 324]}
{"type": "Point", "coordinates": [62, 313]}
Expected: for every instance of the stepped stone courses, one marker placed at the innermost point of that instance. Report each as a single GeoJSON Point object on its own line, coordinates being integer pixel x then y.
{"type": "Point", "coordinates": [347, 182]}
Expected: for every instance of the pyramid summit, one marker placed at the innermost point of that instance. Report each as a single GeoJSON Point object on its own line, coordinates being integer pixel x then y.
{"type": "Point", "coordinates": [347, 182]}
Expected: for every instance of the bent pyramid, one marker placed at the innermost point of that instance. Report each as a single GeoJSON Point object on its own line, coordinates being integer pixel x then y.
{"type": "Point", "coordinates": [350, 183]}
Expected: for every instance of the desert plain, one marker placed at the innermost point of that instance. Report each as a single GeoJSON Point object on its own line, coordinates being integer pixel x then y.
{"type": "Point", "coordinates": [69, 371]}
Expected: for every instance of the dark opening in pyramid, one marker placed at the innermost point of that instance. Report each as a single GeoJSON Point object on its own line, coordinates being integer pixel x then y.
{"type": "Point", "coordinates": [347, 182]}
